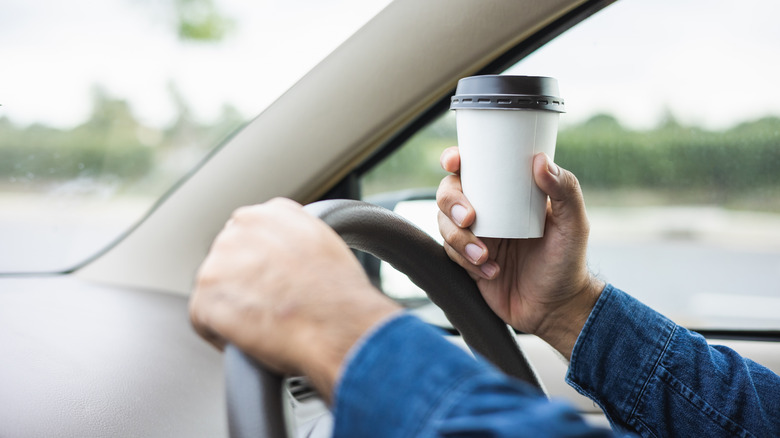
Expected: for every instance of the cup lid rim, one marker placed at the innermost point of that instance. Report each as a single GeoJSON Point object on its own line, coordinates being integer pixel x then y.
{"type": "Point", "coordinates": [508, 92]}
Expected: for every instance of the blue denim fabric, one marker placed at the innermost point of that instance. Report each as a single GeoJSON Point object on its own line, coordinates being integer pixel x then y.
{"type": "Point", "coordinates": [406, 380]}
{"type": "Point", "coordinates": [658, 379]}
{"type": "Point", "coordinates": [650, 376]}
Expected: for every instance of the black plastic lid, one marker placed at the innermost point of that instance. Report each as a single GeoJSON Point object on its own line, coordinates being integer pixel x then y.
{"type": "Point", "coordinates": [507, 92]}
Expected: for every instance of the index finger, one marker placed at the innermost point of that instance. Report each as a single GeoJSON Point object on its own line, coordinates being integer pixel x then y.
{"type": "Point", "coordinates": [450, 159]}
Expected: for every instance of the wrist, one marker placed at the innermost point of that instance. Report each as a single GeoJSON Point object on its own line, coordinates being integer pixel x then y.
{"type": "Point", "coordinates": [562, 326]}
{"type": "Point", "coordinates": [328, 343]}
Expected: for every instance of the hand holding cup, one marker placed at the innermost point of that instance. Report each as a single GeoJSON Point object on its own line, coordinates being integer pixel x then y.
{"type": "Point", "coordinates": [539, 286]}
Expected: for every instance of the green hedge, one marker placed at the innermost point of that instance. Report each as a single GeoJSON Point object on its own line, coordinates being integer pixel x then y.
{"type": "Point", "coordinates": [41, 154]}
{"type": "Point", "coordinates": [46, 163]}
{"type": "Point", "coordinates": [604, 155]}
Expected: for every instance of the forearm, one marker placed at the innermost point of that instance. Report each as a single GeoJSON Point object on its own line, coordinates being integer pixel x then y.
{"type": "Point", "coordinates": [659, 379]}
{"type": "Point", "coordinates": [406, 380]}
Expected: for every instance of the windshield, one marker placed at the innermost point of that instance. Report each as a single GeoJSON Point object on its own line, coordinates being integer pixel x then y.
{"type": "Point", "coordinates": [105, 105]}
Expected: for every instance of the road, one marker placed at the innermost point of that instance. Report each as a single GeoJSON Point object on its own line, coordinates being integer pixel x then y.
{"type": "Point", "coordinates": [704, 267]}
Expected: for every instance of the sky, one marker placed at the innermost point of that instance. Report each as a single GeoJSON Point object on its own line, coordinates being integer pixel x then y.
{"type": "Point", "coordinates": [637, 59]}
{"type": "Point", "coordinates": [712, 63]}
{"type": "Point", "coordinates": [53, 53]}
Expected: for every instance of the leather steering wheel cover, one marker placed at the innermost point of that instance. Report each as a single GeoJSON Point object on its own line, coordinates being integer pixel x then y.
{"type": "Point", "coordinates": [253, 398]}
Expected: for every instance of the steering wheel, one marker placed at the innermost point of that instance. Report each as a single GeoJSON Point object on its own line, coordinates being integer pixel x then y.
{"type": "Point", "coordinates": [254, 394]}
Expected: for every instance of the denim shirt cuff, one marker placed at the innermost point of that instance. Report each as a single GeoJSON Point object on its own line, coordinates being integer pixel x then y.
{"type": "Point", "coordinates": [617, 352]}
{"type": "Point", "coordinates": [380, 393]}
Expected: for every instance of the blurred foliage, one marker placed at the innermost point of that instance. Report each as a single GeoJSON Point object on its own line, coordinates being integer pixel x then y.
{"type": "Point", "coordinates": [736, 166]}
{"type": "Point", "coordinates": [416, 163]}
{"type": "Point", "coordinates": [111, 145]}
{"type": "Point", "coordinates": [604, 154]}
{"type": "Point", "coordinates": [201, 20]}
{"type": "Point", "coordinates": [192, 20]}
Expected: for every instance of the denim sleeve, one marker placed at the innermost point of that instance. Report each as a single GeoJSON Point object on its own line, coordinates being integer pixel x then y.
{"type": "Point", "coordinates": [656, 378]}
{"type": "Point", "coordinates": [406, 380]}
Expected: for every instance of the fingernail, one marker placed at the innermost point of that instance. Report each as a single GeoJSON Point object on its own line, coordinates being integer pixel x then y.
{"type": "Point", "coordinates": [458, 213]}
{"type": "Point", "coordinates": [552, 167]}
{"type": "Point", "coordinates": [489, 270]}
{"type": "Point", "coordinates": [474, 252]}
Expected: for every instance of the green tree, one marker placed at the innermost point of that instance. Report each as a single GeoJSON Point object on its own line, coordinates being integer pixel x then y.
{"type": "Point", "coordinates": [201, 20]}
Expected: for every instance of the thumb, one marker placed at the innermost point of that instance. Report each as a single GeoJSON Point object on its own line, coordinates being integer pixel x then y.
{"type": "Point", "coordinates": [561, 186]}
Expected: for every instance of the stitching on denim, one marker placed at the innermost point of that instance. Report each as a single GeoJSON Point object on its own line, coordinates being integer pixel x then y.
{"type": "Point", "coordinates": [616, 425]}
{"type": "Point", "coordinates": [652, 373]}
{"type": "Point", "coordinates": [644, 429]}
{"type": "Point", "coordinates": [689, 395]}
{"type": "Point", "coordinates": [458, 386]}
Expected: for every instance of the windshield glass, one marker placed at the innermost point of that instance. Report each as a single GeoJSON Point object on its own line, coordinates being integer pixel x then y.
{"type": "Point", "coordinates": [105, 105]}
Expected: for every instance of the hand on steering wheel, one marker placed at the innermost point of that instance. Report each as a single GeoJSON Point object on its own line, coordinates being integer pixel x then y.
{"type": "Point", "coordinates": [233, 298]}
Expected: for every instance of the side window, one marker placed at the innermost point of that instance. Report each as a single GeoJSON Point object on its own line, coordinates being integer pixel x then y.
{"type": "Point", "coordinates": [416, 163]}
{"type": "Point", "coordinates": [406, 182]}
{"type": "Point", "coordinates": [675, 137]}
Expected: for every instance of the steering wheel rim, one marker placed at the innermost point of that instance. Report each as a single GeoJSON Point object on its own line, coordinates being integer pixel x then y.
{"type": "Point", "coordinates": [252, 390]}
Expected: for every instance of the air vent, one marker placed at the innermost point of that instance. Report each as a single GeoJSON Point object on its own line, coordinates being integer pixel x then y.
{"type": "Point", "coordinates": [300, 388]}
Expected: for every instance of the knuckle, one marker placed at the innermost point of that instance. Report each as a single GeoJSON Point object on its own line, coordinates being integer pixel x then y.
{"type": "Point", "coordinates": [575, 182]}
{"type": "Point", "coordinates": [451, 235]}
{"type": "Point", "coordinates": [572, 182]}
{"type": "Point", "coordinates": [208, 273]}
{"type": "Point", "coordinates": [196, 312]}
{"type": "Point", "coordinates": [279, 202]}
{"type": "Point", "coordinates": [204, 277]}
{"type": "Point", "coordinates": [452, 253]}
{"type": "Point", "coordinates": [241, 213]}
{"type": "Point", "coordinates": [458, 258]}
{"type": "Point", "coordinates": [446, 194]}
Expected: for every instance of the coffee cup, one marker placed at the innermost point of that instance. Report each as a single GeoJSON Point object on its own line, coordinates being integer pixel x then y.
{"type": "Point", "coordinates": [502, 123]}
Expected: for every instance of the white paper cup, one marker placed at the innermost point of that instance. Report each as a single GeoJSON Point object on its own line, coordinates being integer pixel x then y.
{"type": "Point", "coordinates": [502, 122]}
